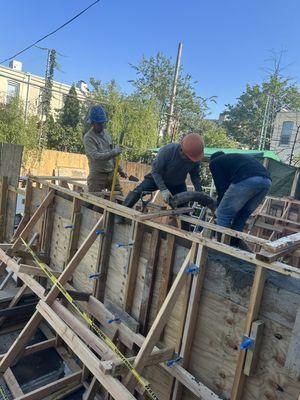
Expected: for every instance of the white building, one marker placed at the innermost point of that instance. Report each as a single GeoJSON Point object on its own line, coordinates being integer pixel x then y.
{"type": "Point", "coordinates": [285, 140]}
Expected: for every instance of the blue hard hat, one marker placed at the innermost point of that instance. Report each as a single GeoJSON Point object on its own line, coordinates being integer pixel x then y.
{"type": "Point", "coordinates": [97, 115]}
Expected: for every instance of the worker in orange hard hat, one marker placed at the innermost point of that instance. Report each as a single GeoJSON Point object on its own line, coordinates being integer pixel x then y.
{"type": "Point", "coordinates": [170, 168]}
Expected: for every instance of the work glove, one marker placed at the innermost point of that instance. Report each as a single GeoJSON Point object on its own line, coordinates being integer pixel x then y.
{"type": "Point", "coordinates": [213, 205]}
{"type": "Point", "coordinates": [123, 174]}
{"type": "Point", "coordinates": [116, 151]}
{"type": "Point", "coordinates": [166, 195]}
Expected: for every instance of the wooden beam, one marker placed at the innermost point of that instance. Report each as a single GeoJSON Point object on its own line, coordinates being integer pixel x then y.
{"type": "Point", "coordinates": [27, 207]}
{"type": "Point", "coordinates": [3, 201]}
{"type": "Point", "coordinates": [149, 280]}
{"type": "Point", "coordinates": [286, 242]}
{"type": "Point", "coordinates": [190, 382]}
{"type": "Point", "coordinates": [112, 385]}
{"type": "Point", "coordinates": [160, 320]}
{"type": "Point", "coordinates": [104, 256]}
{"type": "Point", "coordinates": [35, 320]}
{"type": "Point", "coordinates": [34, 348]}
{"type": "Point", "coordinates": [90, 392]}
{"type": "Point", "coordinates": [292, 363]}
{"type": "Point", "coordinates": [191, 316]}
{"type": "Point", "coordinates": [166, 271]}
{"type": "Point", "coordinates": [166, 213]}
{"type": "Point", "coordinates": [133, 262]}
{"type": "Point", "coordinates": [227, 231]}
{"type": "Point", "coordinates": [252, 314]}
{"type": "Point", "coordinates": [75, 231]}
{"type": "Point", "coordinates": [44, 391]}
{"type": "Point", "coordinates": [33, 220]}
{"type": "Point", "coordinates": [17, 310]}
{"type": "Point", "coordinates": [83, 331]}
{"type": "Point", "coordinates": [118, 368]}
{"type": "Point", "coordinates": [12, 383]}
{"type": "Point", "coordinates": [36, 271]}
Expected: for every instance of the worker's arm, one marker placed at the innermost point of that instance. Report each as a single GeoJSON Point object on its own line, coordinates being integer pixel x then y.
{"type": "Point", "coordinates": [220, 180]}
{"type": "Point", "coordinates": [92, 151]}
{"type": "Point", "coordinates": [121, 172]}
{"type": "Point", "coordinates": [195, 178]}
{"type": "Point", "coordinates": [158, 167]}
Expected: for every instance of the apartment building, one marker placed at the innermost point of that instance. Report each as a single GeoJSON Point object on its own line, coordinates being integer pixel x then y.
{"type": "Point", "coordinates": [285, 140]}
{"type": "Point", "coordinates": [29, 88]}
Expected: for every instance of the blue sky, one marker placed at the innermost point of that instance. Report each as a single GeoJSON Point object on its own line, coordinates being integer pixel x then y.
{"type": "Point", "coordinates": [225, 43]}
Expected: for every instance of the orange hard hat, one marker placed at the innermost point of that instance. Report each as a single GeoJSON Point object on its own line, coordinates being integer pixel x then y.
{"type": "Point", "coordinates": [192, 146]}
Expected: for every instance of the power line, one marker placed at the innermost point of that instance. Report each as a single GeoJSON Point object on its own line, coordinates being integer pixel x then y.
{"type": "Point", "coordinates": [51, 33]}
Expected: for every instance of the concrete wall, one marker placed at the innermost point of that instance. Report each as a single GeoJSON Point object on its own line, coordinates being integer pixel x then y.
{"type": "Point", "coordinates": [284, 150]}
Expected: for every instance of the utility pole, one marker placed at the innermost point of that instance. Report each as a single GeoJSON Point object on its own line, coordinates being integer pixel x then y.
{"type": "Point", "coordinates": [294, 144]}
{"type": "Point", "coordinates": [47, 90]}
{"type": "Point", "coordinates": [173, 95]}
{"type": "Point", "coordinates": [264, 128]}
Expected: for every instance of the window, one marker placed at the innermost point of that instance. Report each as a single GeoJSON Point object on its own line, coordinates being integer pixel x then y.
{"type": "Point", "coordinates": [286, 132]}
{"type": "Point", "coordinates": [13, 89]}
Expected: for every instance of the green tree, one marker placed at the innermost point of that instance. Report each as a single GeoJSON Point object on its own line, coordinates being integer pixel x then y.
{"type": "Point", "coordinates": [215, 135]}
{"type": "Point", "coordinates": [244, 119]}
{"type": "Point", "coordinates": [69, 115]}
{"type": "Point", "coordinates": [154, 82]}
{"type": "Point", "coordinates": [13, 127]}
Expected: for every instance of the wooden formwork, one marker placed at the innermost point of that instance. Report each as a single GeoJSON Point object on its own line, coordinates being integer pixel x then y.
{"type": "Point", "coordinates": [177, 304]}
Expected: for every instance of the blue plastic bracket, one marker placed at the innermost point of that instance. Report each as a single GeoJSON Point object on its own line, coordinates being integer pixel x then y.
{"type": "Point", "coordinates": [193, 269]}
{"type": "Point", "coordinates": [69, 226]}
{"type": "Point", "coordinates": [100, 232]}
{"type": "Point", "coordinates": [174, 361]}
{"type": "Point", "coordinates": [95, 276]}
{"type": "Point", "coordinates": [119, 245]}
{"type": "Point", "coordinates": [246, 343]}
{"type": "Point", "coordinates": [116, 320]}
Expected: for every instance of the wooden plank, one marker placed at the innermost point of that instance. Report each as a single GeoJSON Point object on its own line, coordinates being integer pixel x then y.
{"type": "Point", "coordinates": [112, 385]}
{"type": "Point", "coordinates": [189, 381]}
{"type": "Point", "coordinates": [82, 330]}
{"type": "Point", "coordinates": [33, 220]}
{"type": "Point", "coordinates": [166, 271]}
{"type": "Point", "coordinates": [34, 348]}
{"type": "Point", "coordinates": [104, 256]}
{"type": "Point", "coordinates": [283, 243]}
{"type": "Point", "coordinates": [221, 229]}
{"type": "Point", "coordinates": [76, 223]}
{"type": "Point", "coordinates": [150, 274]}
{"type": "Point", "coordinates": [35, 320]}
{"type": "Point", "coordinates": [191, 320]}
{"type": "Point", "coordinates": [270, 257]}
{"type": "Point", "coordinates": [160, 320]}
{"type": "Point", "coordinates": [3, 202]}
{"type": "Point", "coordinates": [36, 271]}
{"type": "Point", "coordinates": [12, 383]}
{"type": "Point", "coordinates": [52, 387]}
{"type": "Point", "coordinates": [252, 314]}
{"type": "Point", "coordinates": [166, 213]}
{"type": "Point", "coordinates": [133, 262]}
{"type": "Point", "coordinates": [90, 392]}
{"type": "Point", "coordinates": [252, 355]}
{"type": "Point", "coordinates": [17, 310]}
{"type": "Point", "coordinates": [27, 207]}
{"type": "Point", "coordinates": [292, 362]}
{"type": "Point", "coordinates": [118, 368]}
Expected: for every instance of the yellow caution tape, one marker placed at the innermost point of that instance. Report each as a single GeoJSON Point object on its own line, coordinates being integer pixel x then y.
{"type": "Point", "coordinates": [91, 324]}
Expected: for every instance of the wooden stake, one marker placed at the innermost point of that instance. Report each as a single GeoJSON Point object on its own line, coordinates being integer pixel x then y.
{"type": "Point", "coordinates": [160, 320]}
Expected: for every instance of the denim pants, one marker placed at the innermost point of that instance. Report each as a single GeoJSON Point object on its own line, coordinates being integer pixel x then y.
{"type": "Point", "coordinates": [240, 200]}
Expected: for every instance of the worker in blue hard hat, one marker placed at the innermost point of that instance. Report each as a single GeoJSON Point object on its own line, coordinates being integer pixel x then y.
{"type": "Point", "coordinates": [101, 153]}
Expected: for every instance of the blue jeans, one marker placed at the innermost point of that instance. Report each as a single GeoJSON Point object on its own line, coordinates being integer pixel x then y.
{"type": "Point", "coordinates": [240, 200]}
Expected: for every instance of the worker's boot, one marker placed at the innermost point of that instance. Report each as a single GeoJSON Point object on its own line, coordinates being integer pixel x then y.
{"type": "Point", "coordinates": [129, 202]}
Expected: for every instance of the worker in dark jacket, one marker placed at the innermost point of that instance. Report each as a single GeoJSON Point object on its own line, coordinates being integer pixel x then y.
{"type": "Point", "coordinates": [241, 183]}
{"type": "Point", "coordinates": [170, 169]}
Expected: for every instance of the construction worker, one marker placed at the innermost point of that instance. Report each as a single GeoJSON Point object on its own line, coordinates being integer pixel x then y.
{"type": "Point", "coordinates": [242, 183]}
{"type": "Point", "coordinates": [169, 170]}
{"type": "Point", "coordinates": [100, 153]}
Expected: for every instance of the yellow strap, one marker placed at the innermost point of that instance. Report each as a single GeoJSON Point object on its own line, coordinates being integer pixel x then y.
{"type": "Point", "coordinates": [91, 324]}
{"type": "Point", "coordinates": [114, 180]}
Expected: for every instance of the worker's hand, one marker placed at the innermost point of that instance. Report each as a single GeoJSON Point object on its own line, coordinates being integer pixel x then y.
{"type": "Point", "coordinates": [116, 151]}
{"type": "Point", "coordinates": [166, 195]}
{"type": "Point", "coordinates": [123, 174]}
